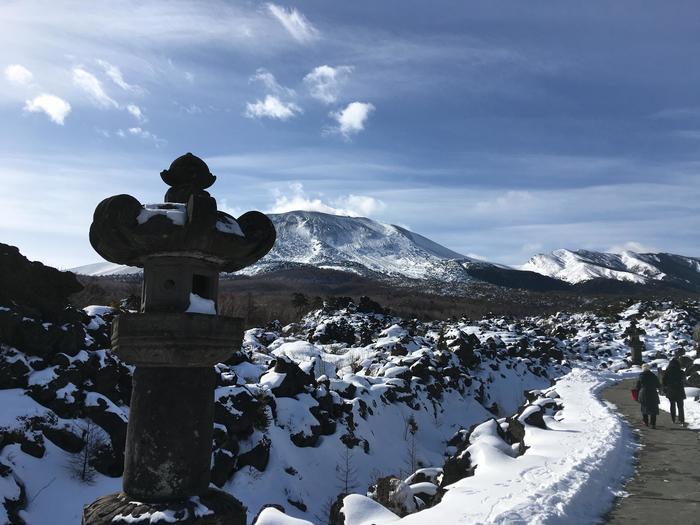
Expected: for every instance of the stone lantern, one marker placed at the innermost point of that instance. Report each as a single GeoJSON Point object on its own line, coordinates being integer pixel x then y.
{"type": "Point", "coordinates": [174, 342]}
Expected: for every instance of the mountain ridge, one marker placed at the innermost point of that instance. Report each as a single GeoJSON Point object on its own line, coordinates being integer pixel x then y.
{"type": "Point", "coordinates": [372, 249]}
{"type": "Point", "coordinates": [580, 266]}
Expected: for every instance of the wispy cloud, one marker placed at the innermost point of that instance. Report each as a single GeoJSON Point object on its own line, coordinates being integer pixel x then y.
{"type": "Point", "coordinates": [145, 134]}
{"type": "Point", "coordinates": [272, 107]}
{"type": "Point", "coordinates": [631, 246]}
{"type": "Point", "coordinates": [91, 85]}
{"type": "Point", "coordinates": [115, 74]}
{"type": "Point", "coordinates": [294, 198]}
{"type": "Point", "coordinates": [324, 82]}
{"type": "Point", "coordinates": [18, 74]}
{"type": "Point", "coordinates": [351, 120]}
{"type": "Point", "coordinates": [295, 23]}
{"type": "Point", "coordinates": [136, 112]}
{"type": "Point", "coordinates": [270, 82]}
{"type": "Point", "coordinates": [55, 107]}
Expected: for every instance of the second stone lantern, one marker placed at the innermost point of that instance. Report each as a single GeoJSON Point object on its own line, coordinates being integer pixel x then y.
{"type": "Point", "coordinates": [174, 342]}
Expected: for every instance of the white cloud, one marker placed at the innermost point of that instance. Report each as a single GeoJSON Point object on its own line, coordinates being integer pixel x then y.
{"type": "Point", "coordinates": [93, 87]}
{"type": "Point", "coordinates": [351, 120]}
{"type": "Point", "coordinates": [114, 73]}
{"type": "Point", "coordinates": [361, 204]}
{"type": "Point", "coordinates": [55, 107]}
{"type": "Point", "coordinates": [144, 134]}
{"type": "Point", "coordinates": [272, 107]}
{"type": "Point", "coordinates": [18, 74]}
{"type": "Point", "coordinates": [324, 82]}
{"type": "Point", "coordinates": [631, 246]}
{"type": "Point", "coordinates": [270, 82]}
{"type": "Point", "coordinates": [295, 198]}
{"type": "Point", "coordinates": [136, 112]}
{"type": "Point", "coordinates": [295, 23]}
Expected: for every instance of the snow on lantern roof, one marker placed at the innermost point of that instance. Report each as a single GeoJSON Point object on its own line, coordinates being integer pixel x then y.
{"type": "Point", "coordinates": [188, 224]}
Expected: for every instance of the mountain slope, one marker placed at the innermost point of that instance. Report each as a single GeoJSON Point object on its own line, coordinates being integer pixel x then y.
{"type": "Point", "coordinates": [318, 241]}
{"type": "Point", "coordinates": [578, 266]}
{"type": "Point", "coordinates": [359, 245]}
{"type": "Point", "coordinates": [353, 244]}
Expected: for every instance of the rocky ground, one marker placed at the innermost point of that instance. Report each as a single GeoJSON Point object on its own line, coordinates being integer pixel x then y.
{"type": "Point", "coordinates": [348, 400]}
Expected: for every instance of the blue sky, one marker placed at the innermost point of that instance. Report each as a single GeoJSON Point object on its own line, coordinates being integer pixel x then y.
{"type": "Point", "coordinates": [499, 129]}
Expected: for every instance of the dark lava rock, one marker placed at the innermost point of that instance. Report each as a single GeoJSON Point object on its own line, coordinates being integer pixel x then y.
{"type": "Point", "coordinates": [335, 332]}
{"type": "Point", "coordinates": [336, 516]}
{"type": "Point", "coordinates": [457, 467]}
{"type": "Point", "coordinates": [33, 286]}
{"type": "Point", "coordinates": [295, 381]}
{"type": "Point", "coordinates": [13, 372]}
{"type": "Point", "coordinates": [64, 439]}
{"type": "Point", "coordinates": [224, 466]}
{"type": "Point", "coordinates": [225, 510]}
{"type": "Point", "coordinates": [257, 457]}
{"type": "Point", "coordinates": [301, 439]}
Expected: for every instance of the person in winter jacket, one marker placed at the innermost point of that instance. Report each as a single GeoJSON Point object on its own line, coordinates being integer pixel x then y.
{"type": "Point", "coordinates": [674, 389]}
{"type": "Point", "coordinates": [647, 386]}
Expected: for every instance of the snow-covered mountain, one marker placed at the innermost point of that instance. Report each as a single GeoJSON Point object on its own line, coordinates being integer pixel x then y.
{"type": "Point", "coordinates": [368, 248]}
{"type": "Point", "coordinates": [359, 245]}
{"type": "Point", "coordinates": [576, 266]}
{"type": "Point", "coordinates": [353, 244]}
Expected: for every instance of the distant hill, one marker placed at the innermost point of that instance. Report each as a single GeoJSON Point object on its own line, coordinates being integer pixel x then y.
{"type": "Point", "coordinates": [584, 266]}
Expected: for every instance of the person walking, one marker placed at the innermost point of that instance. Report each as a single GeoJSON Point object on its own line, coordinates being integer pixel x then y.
{"type": "Point", "coordinates": [674, 389]}
{"type": "Point", "coordinates": [648, 386]}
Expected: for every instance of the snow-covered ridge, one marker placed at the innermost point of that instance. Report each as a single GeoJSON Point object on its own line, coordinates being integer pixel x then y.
{"type": "Point", "coordinates": [354, 244]}
{"type": "Point", "coordinates": [372, 249]}
{"type": "Point", "coordinates": [576, 266]}
{"type": "Point", "coordinates": [319, 239]}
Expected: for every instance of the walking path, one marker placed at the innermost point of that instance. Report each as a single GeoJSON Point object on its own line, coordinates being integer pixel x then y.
{"type": "Point", "coordinates": [665, 486]}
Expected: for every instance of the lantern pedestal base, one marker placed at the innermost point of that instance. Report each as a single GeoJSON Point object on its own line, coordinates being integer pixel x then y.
{"type": "Point", "coordinates": [212, 508]}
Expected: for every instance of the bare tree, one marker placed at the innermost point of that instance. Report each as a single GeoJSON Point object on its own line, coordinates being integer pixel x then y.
{"type": "Point", "coordinates": [410, 431]}
{"type": "Point", "coordinates": [411, 456]}
{"type": "Point", "coordinates": [346, 472]}
{"type": "Point", "coordinates": [81, 464]}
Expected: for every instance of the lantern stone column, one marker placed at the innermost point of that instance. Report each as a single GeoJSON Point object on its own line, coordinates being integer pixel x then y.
{"type": "Point", "coordinates": [635, 344]}
{"type": "Point", "coordinates": [174, 342]}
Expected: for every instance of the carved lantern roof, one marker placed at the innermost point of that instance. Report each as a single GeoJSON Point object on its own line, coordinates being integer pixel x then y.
{"type": "Point", "coordinates": [188, 224]}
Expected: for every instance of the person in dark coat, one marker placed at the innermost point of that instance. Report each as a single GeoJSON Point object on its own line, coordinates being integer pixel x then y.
{"type": "Point", "coordinates": [648, 386]}
{"type": "Point", "coordinates": [674, 389]}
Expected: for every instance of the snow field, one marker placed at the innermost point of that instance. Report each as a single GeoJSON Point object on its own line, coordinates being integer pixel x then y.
{"type": "Point", "coordinates": [569, 474]}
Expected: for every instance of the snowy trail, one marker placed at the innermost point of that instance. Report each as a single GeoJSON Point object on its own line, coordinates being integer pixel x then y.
{"type": "Point", "coordinates": [570, 473]}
